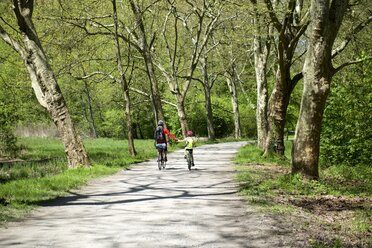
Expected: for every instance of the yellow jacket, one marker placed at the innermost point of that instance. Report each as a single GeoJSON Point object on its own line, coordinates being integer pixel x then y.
{"type": "Point", "coordinates": [189, 143]}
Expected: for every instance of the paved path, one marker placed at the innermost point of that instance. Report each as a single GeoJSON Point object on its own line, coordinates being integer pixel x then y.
{"type": "Point", "coordinates": [145, 207]}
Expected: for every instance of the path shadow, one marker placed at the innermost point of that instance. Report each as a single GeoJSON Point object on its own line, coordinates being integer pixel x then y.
{"type": "Point", "coordinates": [158, 189]}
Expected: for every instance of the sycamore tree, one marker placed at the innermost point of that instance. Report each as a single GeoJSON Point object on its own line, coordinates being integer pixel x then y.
{"type": "Point", "coordinates": [123, 82]}
{"type": "Point", "coordinates": [261, 50]}
{"type": "Point", "coordinates": [326, 19]}
{"type": "Point", "coordinates": [186, 31]}
{"type": "Point", "coordinates": [233, 52]}
{"type": "Point", "coordinates": [290, 19]}
{"type": "Point", "coordinates": [25, 41]}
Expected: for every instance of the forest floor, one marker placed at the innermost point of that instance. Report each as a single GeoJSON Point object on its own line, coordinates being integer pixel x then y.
{"type": "Point", "coordinates": [145, 207]}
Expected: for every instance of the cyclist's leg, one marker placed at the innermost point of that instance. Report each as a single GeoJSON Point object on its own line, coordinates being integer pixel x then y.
{"type": "Point", "coordinates": [192, 157]}
{"type": "Point", "coordinates": [189, 159]}
{"type": "Point", "coordinates": [159, 154]}
{"type": "Point", "coordinates": [165, 153]}
{"type": "Point", "coordinates": [164, 161]}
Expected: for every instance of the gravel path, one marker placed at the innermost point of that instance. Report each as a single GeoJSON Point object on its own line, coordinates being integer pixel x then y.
{"type": "Point", "coordinates": [145, 207]}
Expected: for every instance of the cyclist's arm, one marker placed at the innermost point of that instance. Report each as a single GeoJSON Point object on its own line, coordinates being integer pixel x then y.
{"type": "Point", "coordinates": [166, 131]}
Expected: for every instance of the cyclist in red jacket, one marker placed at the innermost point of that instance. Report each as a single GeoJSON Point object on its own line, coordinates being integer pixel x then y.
{"type": "Point", "coordinates": [160, 137]}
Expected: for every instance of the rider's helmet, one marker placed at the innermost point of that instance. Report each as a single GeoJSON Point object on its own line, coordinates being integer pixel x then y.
{"type": "Point", "coordinates": [189, 133]}
{"type": "Point", "coordinates": [160, 123]}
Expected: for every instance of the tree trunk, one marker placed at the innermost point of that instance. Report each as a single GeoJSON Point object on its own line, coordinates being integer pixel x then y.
{"type": "Point", "coordinates": [124, 85]}
{"type": "Point", "coordinates": [261, 54]}
{"type": "Point", "coordinates": [180, 98]}
{"type": "Point", "coordinates": [208, 109]}
{"type": "Point", "coordinates": [278, 108]}
{"type": "Point", "coordinates": [261, 49]}
{"type": "Point", "coordinates": [306, 145]}
{"type": "Point", "coordinates": [289, 34]}
{"type": "Point", "coordinates": [45, 86]}
{"type": "Point", "coordinates": [326, 19]}
{"type": "Point", "coordinates": [231, 83]}
{"type": "Point", "coordinates": [207, 97]}
{"type": "Point", "coordinates": [91, 115]}
{"type": "Point", "coordinates": [147, 56]}
{"type": "Point", "coordinates": [181, 113]}
{"type": "Point", "coordinates": [156, 101]}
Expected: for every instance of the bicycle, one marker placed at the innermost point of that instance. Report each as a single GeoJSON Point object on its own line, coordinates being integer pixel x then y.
{"type": "Point", "coordinates": [189, 158]}
{"type": "Point", "coordinates": [161, 159]}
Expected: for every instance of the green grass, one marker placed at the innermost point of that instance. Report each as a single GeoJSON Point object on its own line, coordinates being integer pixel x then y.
{"type": "Point", "coordinates": [337, 180]}
{"type": "Point", "coordinates": [12, 172]}
{"type": "Point", "coordinates": [267, 183]}
{"type": "Point", "coordinates": [33, 190]}
{"type": "Point", "coordinates": [99, 150]}
{"type": "Point", "coordinates": [250, 154]}
{"type": "Point", "coordinates": [41, 148]}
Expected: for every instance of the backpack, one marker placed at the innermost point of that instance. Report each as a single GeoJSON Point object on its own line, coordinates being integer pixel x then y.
{"type": "Point", "coordinates": [159, 135]}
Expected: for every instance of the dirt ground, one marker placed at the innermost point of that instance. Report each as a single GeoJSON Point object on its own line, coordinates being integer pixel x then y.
{"type": "Point", "coordinates": [322, 219]}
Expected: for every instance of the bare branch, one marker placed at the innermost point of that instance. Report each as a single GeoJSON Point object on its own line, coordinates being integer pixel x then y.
{"type": "Point", "coordinates": [13, 43]}
{"type": "Point", "coordinates": [337, 69]}
{"type": "Point", "coordinates": [273, 16]}
{"type": "Point", "coordinates": [300, 32]}
{"type": "Point", "coordinates": [302, 54]}
{"type": "Point", "coordinates": [349, 37]}
{"type": "Point", "coordinates": [6, 23]}
{"type": "Point", "coordinates": [147, 95]}
{"type": "Point", "coordinates": [108, 75]}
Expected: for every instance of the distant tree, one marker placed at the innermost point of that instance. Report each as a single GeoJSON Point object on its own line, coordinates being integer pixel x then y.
{"type": "Point", "coordinates": [234, 36]}
{"type": "Point", "coordinates": [8, 141]}
{"type": "Point", "coordinates": [124, 84]}
{"type": "Point", "coordinates": [232, 80]}
{"type": "Point", "coordinates": [186, 36]}
{"type": "Point", "coordinates": [144, 46]}
{"type": "Point", "coordinates": [207, 82]}
{"type": "Point", "coordinates": [261, 50]}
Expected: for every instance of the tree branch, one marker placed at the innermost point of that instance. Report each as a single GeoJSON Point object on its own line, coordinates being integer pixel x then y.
{"type": "Point", "coordinates": [353, 32]}
{"type": "Point", "coordinates": [118, 81]}
{"type": "Point", "coordinates": [273, 16]}
{"type": "Point", "coordinates": [13, 43]}
{"type": "Point", "coordinates": [337, 69]}
{"type": "Point", "coordinates": [300, 32]}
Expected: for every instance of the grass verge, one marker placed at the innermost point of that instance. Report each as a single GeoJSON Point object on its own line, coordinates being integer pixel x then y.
{"type": "Point", "coordinates": [335, 211]}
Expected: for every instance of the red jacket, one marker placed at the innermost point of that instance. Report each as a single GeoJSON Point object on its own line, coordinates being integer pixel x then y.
{"type": "Point", "coordinates": [166, 131]}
